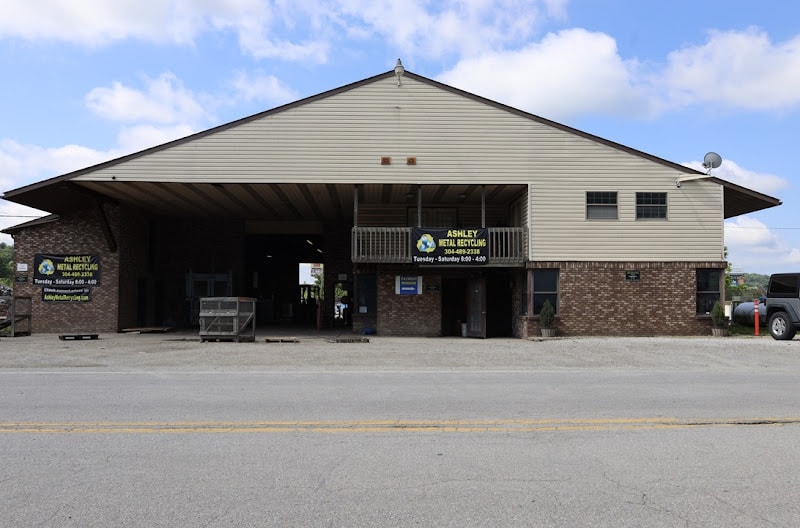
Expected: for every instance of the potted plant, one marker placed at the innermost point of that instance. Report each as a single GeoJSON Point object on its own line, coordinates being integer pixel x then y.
{"type": "Point", "coordinates": [719, 323]}
{"type": "Point", "coordinates": [546, 316]}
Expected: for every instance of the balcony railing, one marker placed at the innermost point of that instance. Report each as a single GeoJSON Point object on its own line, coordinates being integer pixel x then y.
{"type": "Point", "coordinates": [393, 245]}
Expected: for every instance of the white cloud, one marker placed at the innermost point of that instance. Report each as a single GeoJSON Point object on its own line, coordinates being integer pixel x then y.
{"type": "Point", "coordinates": [102, 22]}
{"type": "Point", "coordinates": [745, 232]}
{"type": "Point", "coordinates": [300, 30]}
{"type": "Point", "coordinates": [755, 248]}
{"type": "Point", "coordinates": [740, 69]}
{"type": "Point", "coordinates": [259, 86]}
{"type": "Point", "coordinates": [435, 29]}
{"type": "Point", "coordinates": [758, 181]}
{"type": "Point", "coordinates": [262, 47]}
{"type": "Point", "coordinates": [23, 164]}
{"type": "Point", "coordinates": [567, 73]}
{"type": "Point", "coordinates": [12, 214]}
{"type": "Point", "coordinates": [165, 100]}
{"type": "Point", "coordinates": [576, 72]}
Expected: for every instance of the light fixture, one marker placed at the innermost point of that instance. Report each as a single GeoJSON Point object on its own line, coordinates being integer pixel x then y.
{"type": "Point", "coordinates": [399, 71]}
{"type": "Point", "coordinates": [310, 243]}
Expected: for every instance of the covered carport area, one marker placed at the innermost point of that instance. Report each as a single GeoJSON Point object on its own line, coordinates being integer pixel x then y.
{"type": "Point", "coordinates": [179, 241]}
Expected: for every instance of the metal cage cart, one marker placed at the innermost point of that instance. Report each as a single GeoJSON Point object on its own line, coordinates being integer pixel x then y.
{"type": "Point", "coordinates": [227, 319]}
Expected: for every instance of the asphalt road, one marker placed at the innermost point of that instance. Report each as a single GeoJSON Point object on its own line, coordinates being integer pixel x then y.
{"type": "Point", "coordinates": [164, 431]}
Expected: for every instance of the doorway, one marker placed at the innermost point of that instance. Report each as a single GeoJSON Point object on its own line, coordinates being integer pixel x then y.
{"type": "Point", "coordinates": [454, 305]}
{"type": "Point", "coordinates": [282, 274]}
{"type": "Point", "coordinates": [483, 304]}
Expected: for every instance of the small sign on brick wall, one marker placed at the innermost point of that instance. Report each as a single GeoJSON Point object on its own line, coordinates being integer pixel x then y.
{"type": "Point", "coordinates": [632, 276]}
{"type": "Point", "coordinates": [408, 285]}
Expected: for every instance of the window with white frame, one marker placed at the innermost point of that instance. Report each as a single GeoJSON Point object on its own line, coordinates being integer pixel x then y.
{"type": "Point", "coordinates": [651, 205]}
{"type": "Point", "coordinates": [601, 205]}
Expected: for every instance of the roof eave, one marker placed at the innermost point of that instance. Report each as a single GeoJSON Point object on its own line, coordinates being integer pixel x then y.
{"type": "Point", "coordinates": [740, 200]}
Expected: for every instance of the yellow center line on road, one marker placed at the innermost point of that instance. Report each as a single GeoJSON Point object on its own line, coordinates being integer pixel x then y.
{"type": "Point", "coordinates": [382, 426]}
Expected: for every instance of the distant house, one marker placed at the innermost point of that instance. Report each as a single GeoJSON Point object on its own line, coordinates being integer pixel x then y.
{"type": "Point", "coordinates": [431, 207]}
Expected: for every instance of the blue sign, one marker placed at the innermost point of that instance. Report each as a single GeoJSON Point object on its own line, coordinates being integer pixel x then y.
{"type": "Point", "coordinates": [408, 285]}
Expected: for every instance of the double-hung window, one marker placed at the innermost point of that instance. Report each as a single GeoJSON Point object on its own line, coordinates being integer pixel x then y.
{"type": "Point", "coordinates": [545, 287]}
{"type": "Point", "coordinates": [601, 205]}
{"type": "Point", "coordinates": [651, 205]}
{"type": "Point", "coordinates": [709, 282]}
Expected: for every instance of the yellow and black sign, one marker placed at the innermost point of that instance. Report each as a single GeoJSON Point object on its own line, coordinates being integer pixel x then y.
{"type": "Point", "coordinates": [66, 294]}
{"type": "Point", "coordinates": [450, 246]}
{"type": "Point", "coordinates": [66, 270]}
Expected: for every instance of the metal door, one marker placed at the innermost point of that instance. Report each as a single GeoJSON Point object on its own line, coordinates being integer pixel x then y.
{"type": "Point", "coordinates": [476, 308]}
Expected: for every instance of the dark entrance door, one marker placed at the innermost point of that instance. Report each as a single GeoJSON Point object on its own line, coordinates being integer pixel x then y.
{"type": "Point", "coordinates": [476, 307]}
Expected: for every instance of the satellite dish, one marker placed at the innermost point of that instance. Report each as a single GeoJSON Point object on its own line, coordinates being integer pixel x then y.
{"type": "Point", "coordinates": [712, 160]}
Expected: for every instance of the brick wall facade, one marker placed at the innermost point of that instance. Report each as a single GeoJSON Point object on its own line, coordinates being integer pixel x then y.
{"type": "Point", "coordinates": [154, 255]}
{"type": "Point", "coordinates": [77, 234]}
{"type": "Point", "coordinates": [143, 278]}
{"type": "Point", "coordinates": [595, 299]}
{"type": "Point", "coordinates": [409, 315]}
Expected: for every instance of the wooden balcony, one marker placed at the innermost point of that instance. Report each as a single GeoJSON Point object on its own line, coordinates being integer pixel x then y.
{"type": "Point", "coordinates": [393, 245]}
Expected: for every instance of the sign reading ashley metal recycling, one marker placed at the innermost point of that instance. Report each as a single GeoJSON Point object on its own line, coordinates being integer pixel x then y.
{"type": "Point", "coordinates": [449, 246]}
{"type": "Point", "coordinates": [66, 270]}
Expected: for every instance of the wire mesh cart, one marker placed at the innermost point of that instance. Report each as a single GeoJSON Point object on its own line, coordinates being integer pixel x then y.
{"type": "Point", "coordinates": [227, 319]}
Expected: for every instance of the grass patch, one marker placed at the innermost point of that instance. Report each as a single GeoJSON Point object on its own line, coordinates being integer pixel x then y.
{"type": "Point", "coordinates": [747, 330]}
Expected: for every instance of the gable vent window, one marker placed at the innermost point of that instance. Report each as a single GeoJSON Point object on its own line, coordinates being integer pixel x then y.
{"type": "Point", "coordinates": [601, 205]}
{"type": "Point", "coordinates": [651, 205]}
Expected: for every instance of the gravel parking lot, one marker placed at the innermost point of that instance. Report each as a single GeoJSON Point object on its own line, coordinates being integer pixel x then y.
{"type": "Point", "coordinates": [313, 351]}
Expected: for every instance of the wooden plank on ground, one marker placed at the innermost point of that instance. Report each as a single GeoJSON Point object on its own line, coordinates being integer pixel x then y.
{"type": "Point", "coordinates": [350, 340]}
{"type": "Point", "coordinates": [76, 337]}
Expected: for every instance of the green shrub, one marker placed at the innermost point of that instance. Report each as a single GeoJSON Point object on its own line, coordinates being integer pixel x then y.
{"type": "Point", "coordinates": [718, 315]}
{"type": "Point", "coordinates": [547, 314]}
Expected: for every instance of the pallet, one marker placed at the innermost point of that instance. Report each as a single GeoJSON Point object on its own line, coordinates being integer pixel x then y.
{"type": "Point", "coordinates": [226, 338]}
{"type": "Point", "coordinates": [282, 340]}
{"type": "Point", "coordinates": [77, 337]}
{"type": "Point", "coordinates": [350, 340]}
{"type": "Point", "coordinates": [147, 330]}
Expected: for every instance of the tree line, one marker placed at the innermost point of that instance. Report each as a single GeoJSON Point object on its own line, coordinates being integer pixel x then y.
{"type": "Point", "coordinates": [6, 264]}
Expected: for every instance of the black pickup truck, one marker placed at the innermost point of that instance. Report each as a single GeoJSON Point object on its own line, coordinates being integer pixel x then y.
{"type": "Point", "coordinates": [783, 305]}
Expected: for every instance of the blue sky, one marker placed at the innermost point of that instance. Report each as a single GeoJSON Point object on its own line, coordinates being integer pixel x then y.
{"type": "Point", "coordinates": [88, 81]}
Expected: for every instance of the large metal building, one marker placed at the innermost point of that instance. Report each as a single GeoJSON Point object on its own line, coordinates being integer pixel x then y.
{"type": "Point", "coordinates": [432, 211]}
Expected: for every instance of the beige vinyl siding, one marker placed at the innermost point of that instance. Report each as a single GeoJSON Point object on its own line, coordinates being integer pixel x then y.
{"type": "Point", "coordinates": [341, 139]}
{"type": "Point", "coordinates": [381, 215]}
{"type": "Point", "coordinates": [458, 140]}
{"type": "Point", "coordinates": [693, 229]}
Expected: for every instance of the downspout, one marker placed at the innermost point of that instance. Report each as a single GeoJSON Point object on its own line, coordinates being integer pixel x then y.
{"type": "Point", "coordinates": [483, 206]}
{"type": "Point", "coordinates": [419, 205]}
